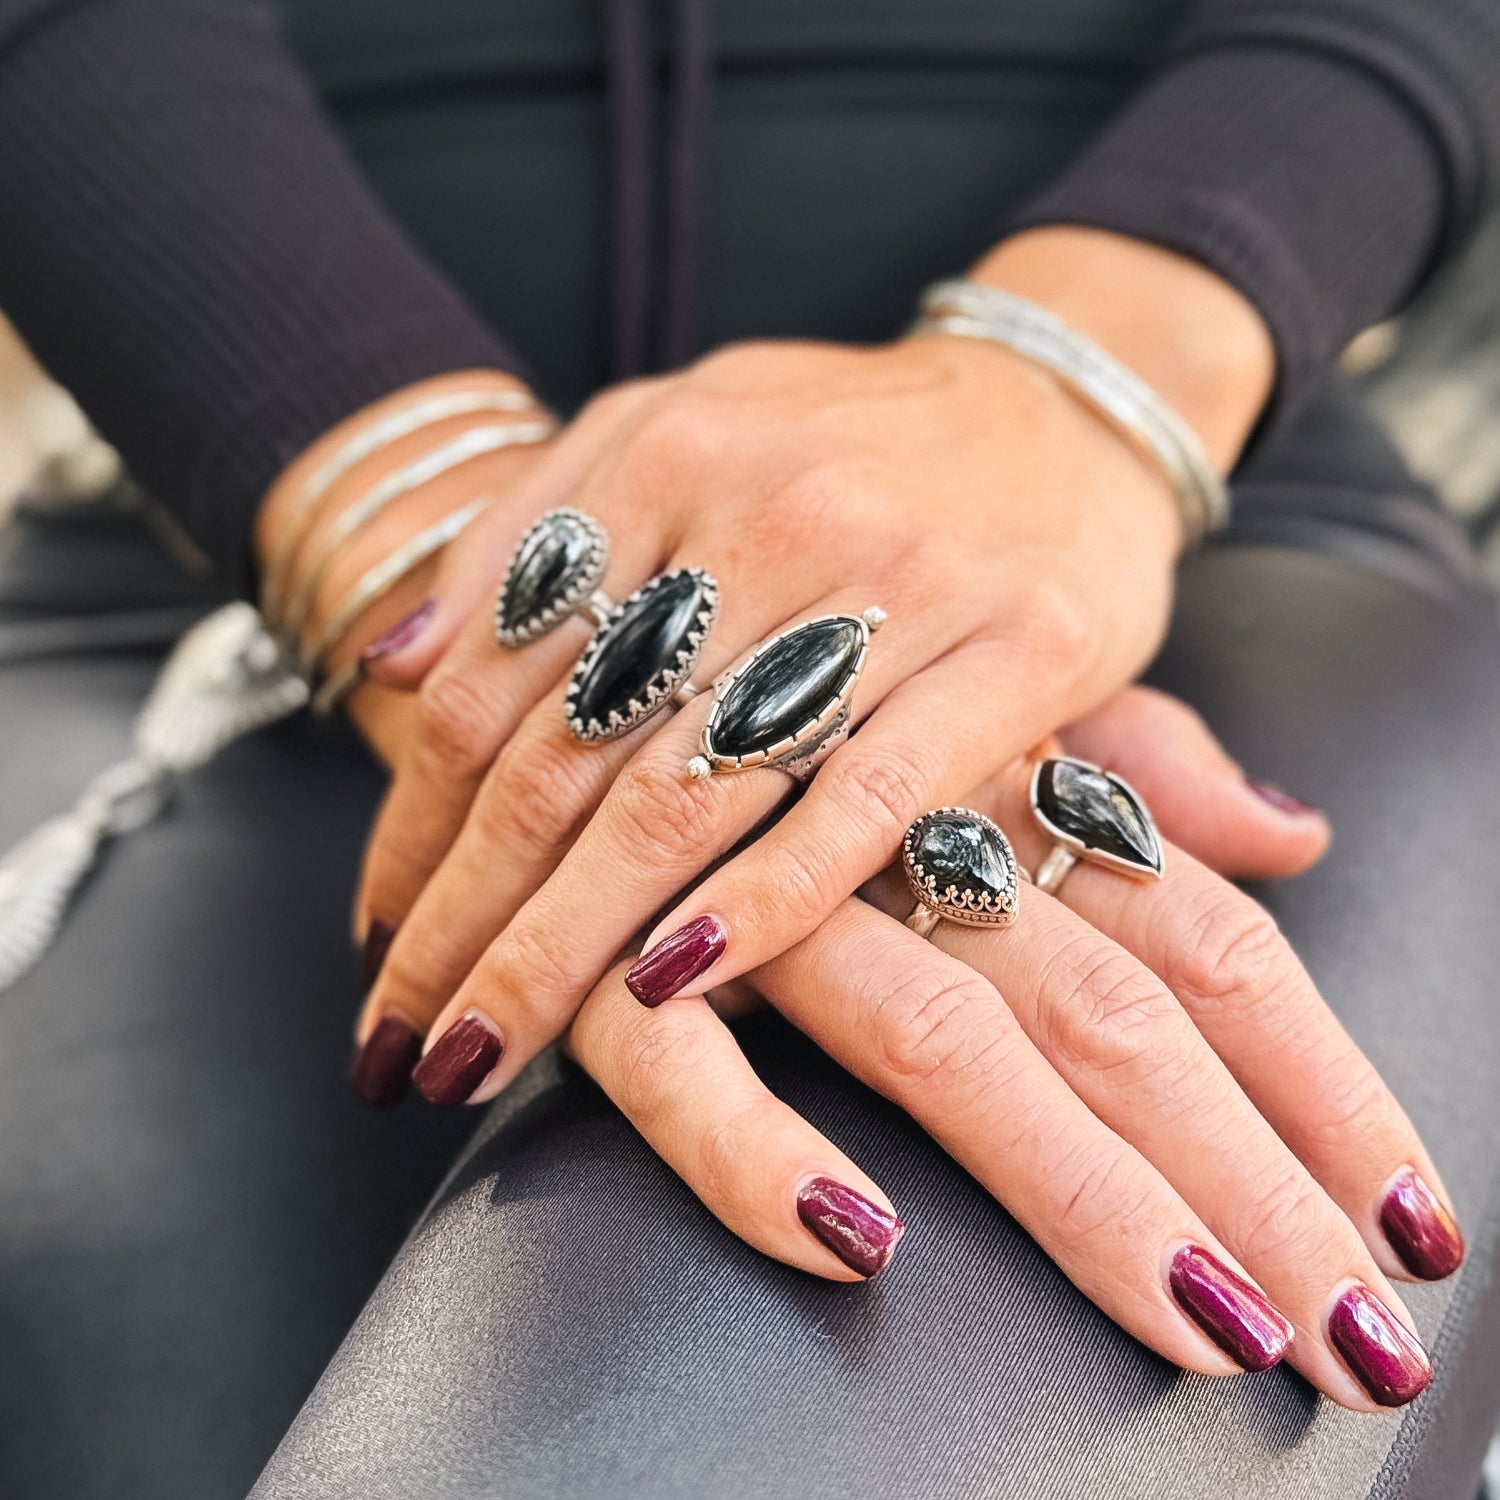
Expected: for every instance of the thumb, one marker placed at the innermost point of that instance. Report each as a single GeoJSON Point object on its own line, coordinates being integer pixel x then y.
{"type": "Point", "coordinates": [1200, 797]}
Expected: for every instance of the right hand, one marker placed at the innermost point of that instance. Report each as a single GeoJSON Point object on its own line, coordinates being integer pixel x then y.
{"type": "Point", "coordinates": [1130, 1070]}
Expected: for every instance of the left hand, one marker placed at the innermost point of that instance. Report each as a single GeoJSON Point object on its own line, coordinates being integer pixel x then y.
{"type": "Point", "coordinates": [1023, 553]}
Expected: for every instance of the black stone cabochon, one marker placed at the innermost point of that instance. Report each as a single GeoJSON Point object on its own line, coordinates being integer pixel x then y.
{"type": "Point", "coordinates": [1100, 812]}
{"type": "Point", "coordinates": [642, 654]}
{"type": "Point", "coordinates": [798, 678]}
{"type": "Point", "coordinates": [559, 559]}
{"type": "Point", "coordinates": [962, 864]}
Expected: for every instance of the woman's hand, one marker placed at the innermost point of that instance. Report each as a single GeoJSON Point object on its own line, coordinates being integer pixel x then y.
{"type": "Point", "coordinates": [1022, 551]}
{"type": "Point", "coordinates": [1138, 1073]}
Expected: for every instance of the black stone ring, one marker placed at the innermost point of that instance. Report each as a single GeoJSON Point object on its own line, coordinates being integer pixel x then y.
{"type": "Point", "coordinates": [641, 657]}
{"type": "Point", "coordinates": [961, 868]}
{"type": "Point", "coordinates": [787, 704]}
{"type": "Point", "coordinates": [555, 573]}
{"type": "Point", "coordinates": [1094, 815]}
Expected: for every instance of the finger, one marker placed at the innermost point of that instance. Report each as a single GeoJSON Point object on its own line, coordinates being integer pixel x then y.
{"type": "Point", "coordinates": [680, 1078]}
{"type": "Point", "coordinates": [936, 1038]}
{"type": "Point", "coordinates": [653, 834]}
{"type": "Point", "coordinates": [1121, 1041]}
{"type": "Point", "coordinates": [927, 742]}
{"type": "Point", "coordinates": [470, 704]}
{"type": "Point", "coordinates": [1242, 828]}
{"type": "Point", "coordinates": [471, 569]}
{"type": "Point", "coordinates": [526, 813]}
{"type": "Point", "coordinates": [1221, 954]}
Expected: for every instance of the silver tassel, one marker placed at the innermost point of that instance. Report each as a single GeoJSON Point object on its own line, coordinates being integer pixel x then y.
{"type": "Point", "coordinates": [224, 679]}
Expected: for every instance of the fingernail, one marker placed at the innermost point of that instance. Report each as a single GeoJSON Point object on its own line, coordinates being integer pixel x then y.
{"type": "Point", "coordinates": [377, 944]}
{"type": "Point", "coordinates": [402, 633]}
{"type": "Point", "coordinates": [1420, 1229]}
{"type": "Point", "coordinates": [1282, 801]}
{"type": "Point", "coordinates": [465, 1055]}
{"type": "Point", "coordinates": [677, 960]}
{"type": "Point", "coordinates": [862, 1234]}
{"type": "Point", "coordinates": [1378, 1349]}
{"type": "Point", "coordinates": [1232, 1312]}
{"type": "Point", "coordinates": [382, 1067]}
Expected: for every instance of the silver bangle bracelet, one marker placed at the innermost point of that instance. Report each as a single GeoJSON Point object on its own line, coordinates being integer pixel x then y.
{"type": "Point", "coordinates": [438, 461]}
{"type": "Point", "coordinates": [970, 310]}
{"type": "Point", "coordinates": [390, 429]}
{"type": "Point", "coordinates": [372, 587]}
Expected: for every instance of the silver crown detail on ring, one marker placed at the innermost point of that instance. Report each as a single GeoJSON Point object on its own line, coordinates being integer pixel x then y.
{"type": "Point", "coordinates": [960, 867]}
{"type": "Point", "coordinates": [643, 654]}
{"type": "Point", "coordinates": [787, 704]}
{"type": "Point", "coordinates": [553, 574]}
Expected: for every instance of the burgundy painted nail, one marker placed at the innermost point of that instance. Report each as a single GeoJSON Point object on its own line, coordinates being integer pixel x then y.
{"type": "Point", "coordinates": [402, 633]}
{"type": "Point", "coordinates": [1234, 1314]}
{"type": "Point", "coordinates": [1420, 1229]}
{"type": "Point", "coordinates": [382, 1067]}
{"type": "Point", "coordinates": [465, 1055]}
{"type": "Point", "coordinates": [377, 944]}
{"type": "Point", "coordinates": [1379, 1351]}
{"type": "Point", "coordinates": [1282, 801]}
{"type": "Point", "coordinates": [862, 1234]}
{"type": "Point", "coordinates": [677, 960]}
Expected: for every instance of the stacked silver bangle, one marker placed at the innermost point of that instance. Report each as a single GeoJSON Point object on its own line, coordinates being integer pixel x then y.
{"type": "Point", "coordinates": [971, 310]}
{"type": "Point", "coordinates": [289, 589]}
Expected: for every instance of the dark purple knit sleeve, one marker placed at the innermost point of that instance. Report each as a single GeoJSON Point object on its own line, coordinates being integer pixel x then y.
{"type": "Point", "coordinates": [187, 248]}
{"type": "Point", "coordinates": [1325, 156]}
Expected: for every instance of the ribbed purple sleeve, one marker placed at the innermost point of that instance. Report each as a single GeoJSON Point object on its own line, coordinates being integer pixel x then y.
{"type": "Point", "coordinates": [1323, 155]}
{"type": "Point", "coordinates": [185, 245]}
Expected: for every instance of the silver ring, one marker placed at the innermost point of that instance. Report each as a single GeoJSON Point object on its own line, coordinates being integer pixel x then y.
{"type": "Point", "coordinates": [642, 655]}
{"type": "Point", "coordinates": [776, 708]}
{"type": "Point", "coordinates": [960, 867]}
{"type": "Point", "coordinates": [1094, 815]}
{"type": "Point", "coordinates": [554, 573]}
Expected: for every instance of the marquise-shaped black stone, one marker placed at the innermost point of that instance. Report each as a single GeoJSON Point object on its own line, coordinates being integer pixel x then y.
{"type": "Point", "coordinates": [554, 557]}
{"type": "Point", "coordinates": [1099, 811]}
{"type": "Point", "coordinates": [962, 852]}
{"type": "Point", "coordinates": [788, 686]}
{"type": "Point", "coordinates": [640, 644]}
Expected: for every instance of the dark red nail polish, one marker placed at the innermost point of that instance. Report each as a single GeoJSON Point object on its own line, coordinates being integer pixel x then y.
{"type": "Point", "coordinates": [382, 1067]}
{"type": "Point", "coordinates": [1420, 1229]}
{"type": "Point", "coordinates": [677, 960]}
{"type": "Point", "coordinates": [1379, 1351]}
{"type": "Point", "coordinates": [400, 635]}
{"type": "Point", "coordinates": [862, 1234]}
{"type": "Point", "coordinates": [1234, 1314]}
{"type": "Point", "coordinates": [464, 1056]}
{"type": "Point", "coordinates": [1282, 801]}
{"type": "Point", "coordinates": [377, 944]}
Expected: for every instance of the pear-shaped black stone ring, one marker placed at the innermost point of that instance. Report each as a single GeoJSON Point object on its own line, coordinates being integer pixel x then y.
{"type": "Point", "coordinates": [960, 868]}
{"type": "Point", "coordinates": [642, 655]}
{"type": "Point", "coordinates": [554, 574]}
{"type": "Point", "coordinates": [1094, 815]}
{"type": "Point", "coordinates": [787, 704]}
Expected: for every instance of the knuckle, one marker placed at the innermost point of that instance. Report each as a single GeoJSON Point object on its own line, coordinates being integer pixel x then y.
{"type": "Point", "coordinates": [883, 793]}
{"type": "Point", "coordinates": [673, 438]}
{"type": "Point", "coordinates": [656, 1057]}
{"type": "Point", "coordinates": [1108, 1200]}
{"type": "Point", "coordinates": [724, 1150]}
{"type": "Point", "coordinates": [1112, 1013]}
{"type": "Point", "coordinates": [1352, 1105]}
{"type": "Point", "coordinates": [536, 800]}
{"type": "Point", "coordinates": [1288, 1224]}
{"type": "Point", "coordinates": [940, 1025]}
{"type": "Point", "coordinates": [1235, 958]}
{"type": "Point", "coordinates": [666, 816]}
{"type": "Point", "coordinates": [528, 974]}
{"type": "Point", "coordinates": [1052, 628]}
{"type": "Point", "coordinates": [456, 724]}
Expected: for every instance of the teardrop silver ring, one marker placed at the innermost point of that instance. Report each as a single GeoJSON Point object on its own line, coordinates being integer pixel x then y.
{"type": "Point", "coordinates": [960, 867]}
{"type": "Point", "coordinates": [1093, 815]}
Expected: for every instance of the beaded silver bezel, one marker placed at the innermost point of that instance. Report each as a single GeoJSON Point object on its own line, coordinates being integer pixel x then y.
{"type": "Point", "coordinates": [970, 908]}
{"type": "Point", "coordinates": [587, 577]}
{"type": "Point", "coordinates": [667, 680]}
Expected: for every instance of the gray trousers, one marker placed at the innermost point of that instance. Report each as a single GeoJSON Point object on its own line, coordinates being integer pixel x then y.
{"type": "Point", "coordinates": [195, 1207]}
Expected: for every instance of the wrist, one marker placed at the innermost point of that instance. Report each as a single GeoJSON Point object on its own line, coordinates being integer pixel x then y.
{"type": "Point", "coordinates": [1192, 337]}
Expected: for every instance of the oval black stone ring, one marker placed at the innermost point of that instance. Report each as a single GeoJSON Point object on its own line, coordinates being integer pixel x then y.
{"type": "Point", "coordinates": [787, 704]}
{"type": "Point", "coordinates": [1094, 815]}
{"type": "Point", "coordinates": [554, 573]}
{"type": "Point", "coordinates": [641, 657]}
{"type": "Point", "coordinates": [961, 868]}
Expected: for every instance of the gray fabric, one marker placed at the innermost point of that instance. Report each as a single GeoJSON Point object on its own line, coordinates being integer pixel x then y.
{"type": "Point", "coordinates": [568, 1320]}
